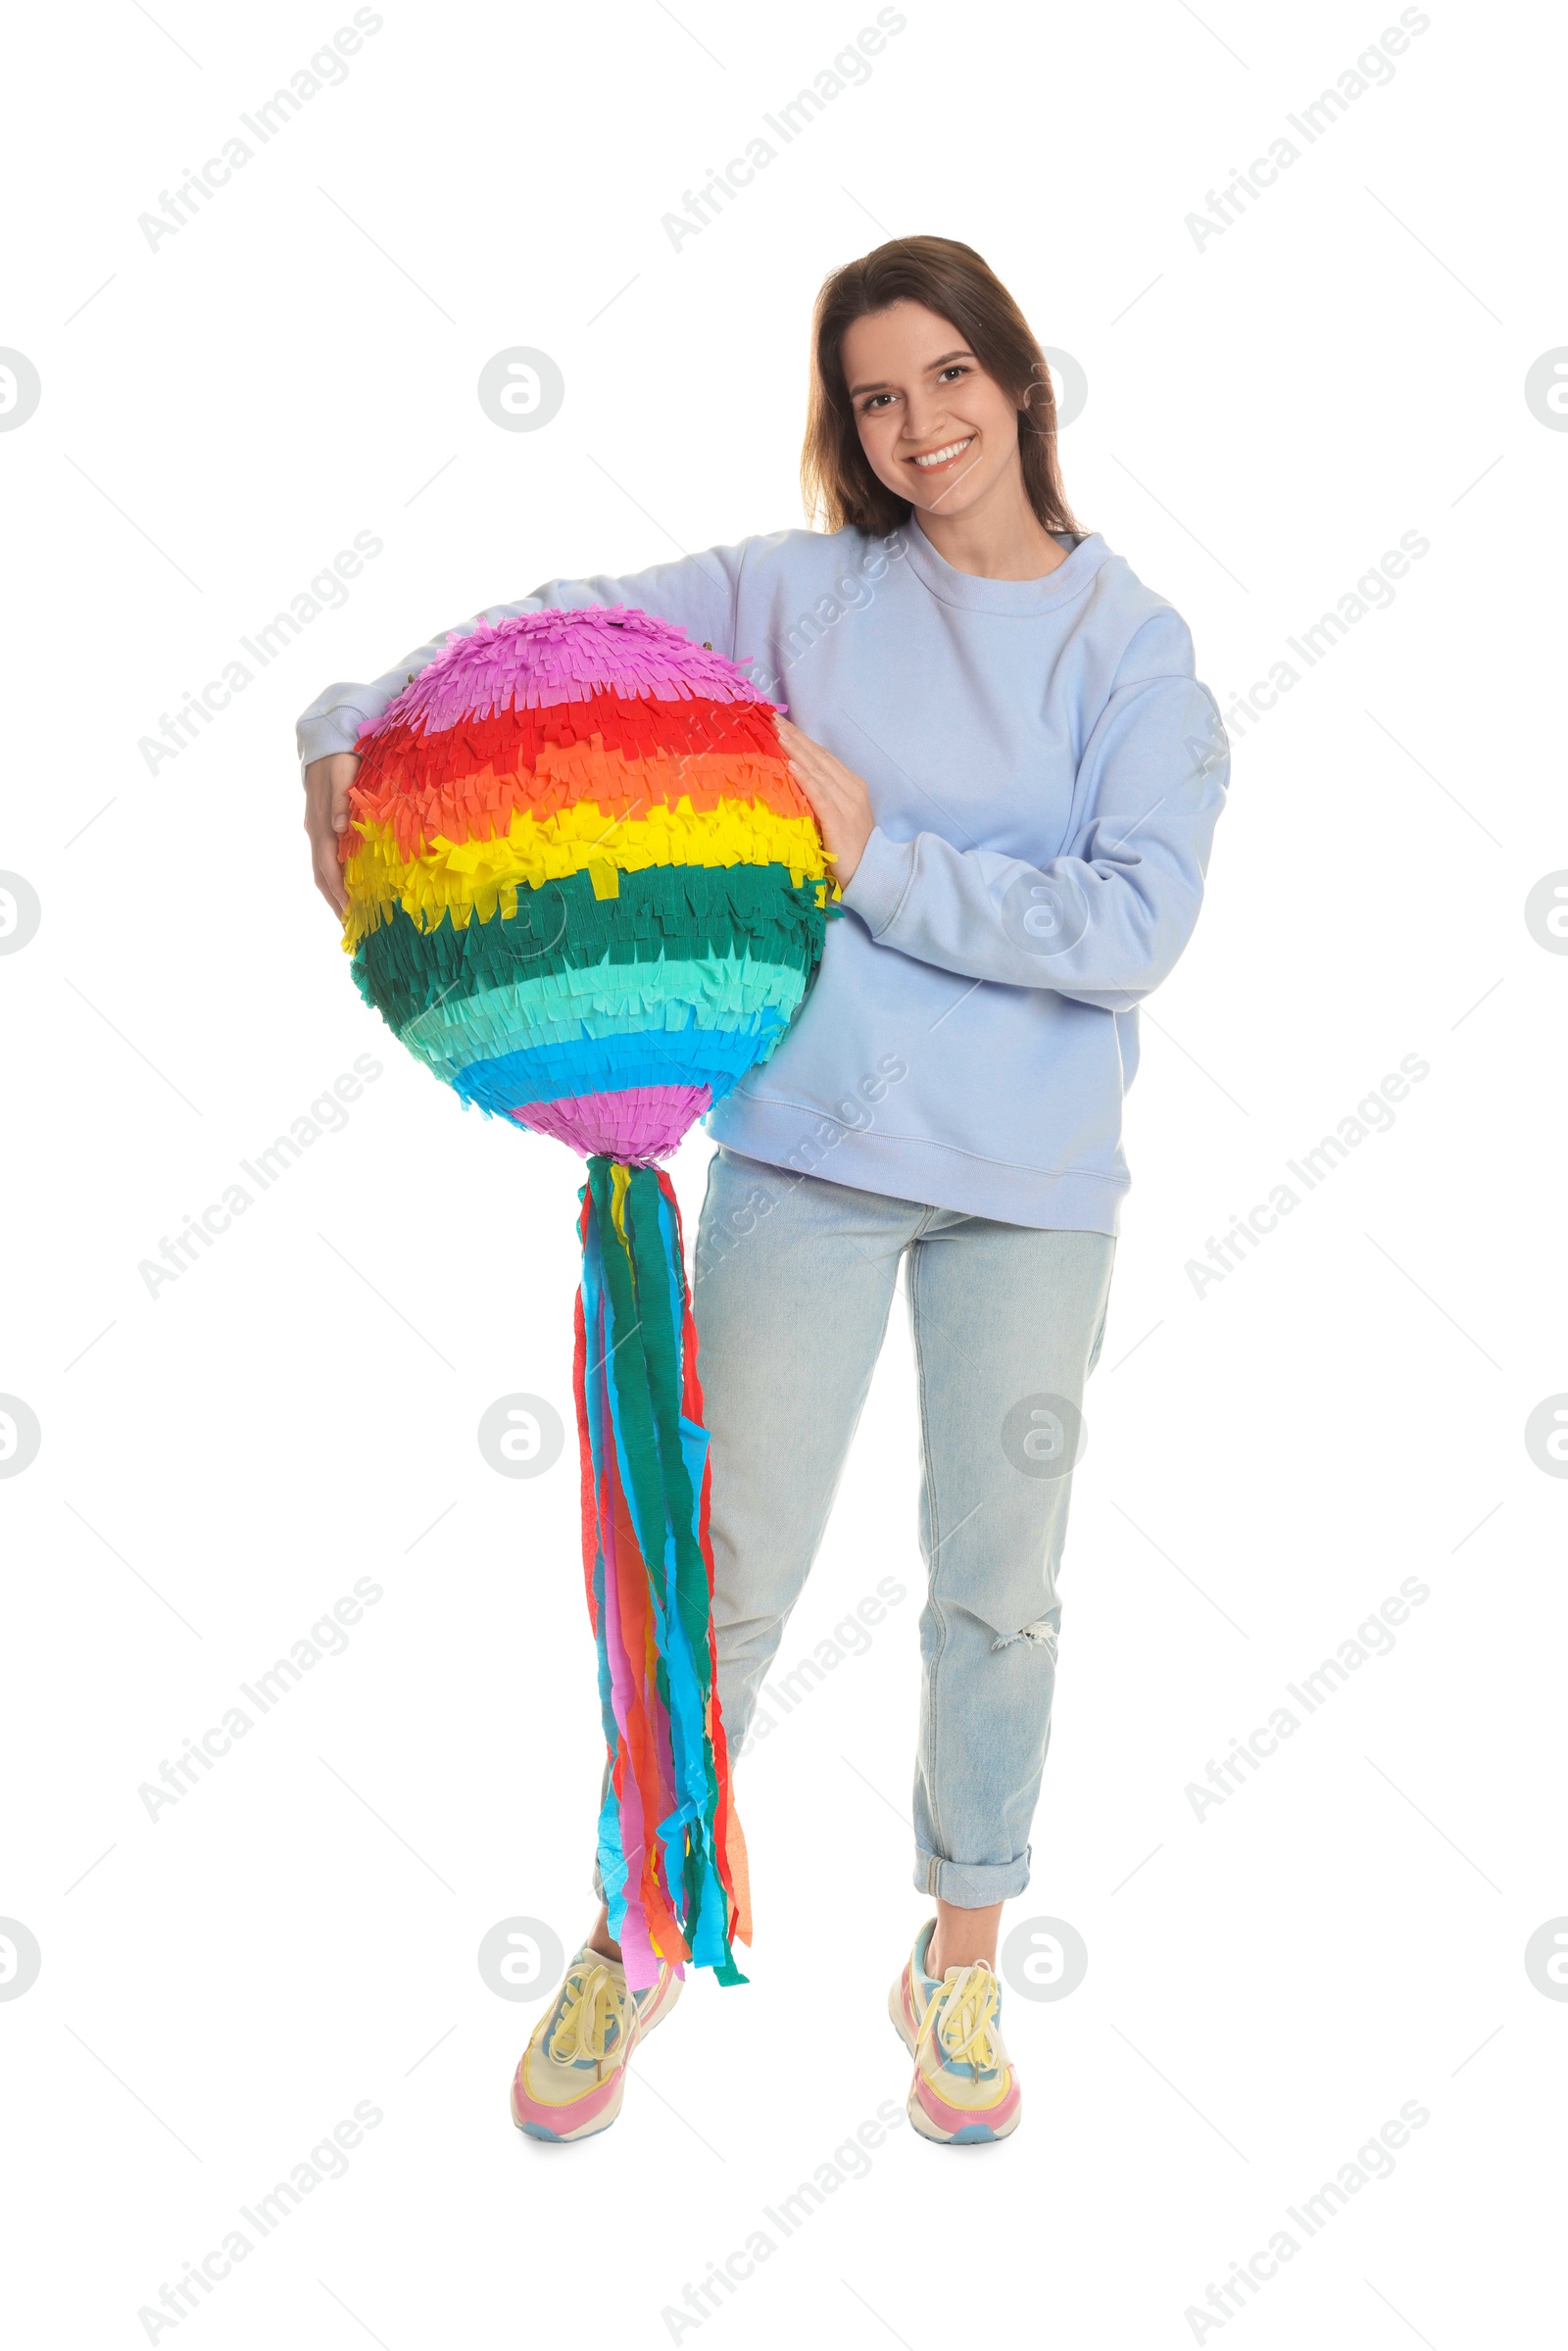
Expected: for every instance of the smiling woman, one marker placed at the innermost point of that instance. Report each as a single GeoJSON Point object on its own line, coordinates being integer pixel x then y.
{"type": "Point", "coordinates": [1017, 776]}
{"type": "Point", "coordinates": [890, 375]}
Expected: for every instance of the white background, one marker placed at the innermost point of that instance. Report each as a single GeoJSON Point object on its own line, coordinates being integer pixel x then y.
{"type": "Point", "coordinates": [1267, 1461]}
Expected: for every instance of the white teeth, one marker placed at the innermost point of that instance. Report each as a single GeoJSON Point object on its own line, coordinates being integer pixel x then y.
{"type": "Point", "coordinates": [940, 457]}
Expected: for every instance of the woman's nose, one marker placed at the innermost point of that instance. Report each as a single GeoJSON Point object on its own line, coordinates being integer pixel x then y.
{"type": "Point", "coordinates": [921, 417]}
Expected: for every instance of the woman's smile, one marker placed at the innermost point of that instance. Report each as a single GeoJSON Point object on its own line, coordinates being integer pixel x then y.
{"type": "Point", "coordinates": [937, 460]}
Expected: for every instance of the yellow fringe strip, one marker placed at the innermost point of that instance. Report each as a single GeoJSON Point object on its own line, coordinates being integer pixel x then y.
{"type": "Point", "coordinates": [483, 877]}
{"type": "Point", "coordinates": [619, 1184]}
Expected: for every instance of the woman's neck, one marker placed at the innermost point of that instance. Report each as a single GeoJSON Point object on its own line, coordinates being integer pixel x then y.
{"type": "Point", "coordinates": [1001, 538]}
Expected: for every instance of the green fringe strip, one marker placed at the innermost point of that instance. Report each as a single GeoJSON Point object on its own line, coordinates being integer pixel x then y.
{"type": "Point", "coordinates": [677, 911]}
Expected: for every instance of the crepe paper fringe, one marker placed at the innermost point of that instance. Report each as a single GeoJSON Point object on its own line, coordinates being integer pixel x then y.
{"type": "Point", "coordinates": [671, 1853]}
{"type": "Point", "coordinates": [714, 1058]}
{"type": "Point", "coordinates": [540, 659]}
{"type": "Point", "coordinates": [419, 758]}
{"type": "Point", "coordinates": [621, 1000]}
{"type": "Point", "coordinates": [683, 910]}
{"type": "Point", "coordinates": [563, 775]}
{"type": "Point", "coordinates": [640, 1123]}
{"type": "Point", "coordinates": [486, 806]}
{"type": "Point", "coordinates": [464, 782]}
{"type": "Point", "coordinates": [483, 877]}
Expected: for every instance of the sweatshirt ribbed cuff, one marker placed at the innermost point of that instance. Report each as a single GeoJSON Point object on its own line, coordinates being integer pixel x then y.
{"type": "Point", "coordinates": [321, 738]}
{"type": "Point", "coordinates": [876, 887]}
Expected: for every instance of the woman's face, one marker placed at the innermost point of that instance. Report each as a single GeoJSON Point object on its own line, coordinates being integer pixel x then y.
{"type": "Point", "coordinates": [935, 427]}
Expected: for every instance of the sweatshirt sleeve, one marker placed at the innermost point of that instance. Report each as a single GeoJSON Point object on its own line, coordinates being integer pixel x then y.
{"type": "Point", "coordinates": [698, 594]}
{"type": "Point", "coordinates": [1104, 922]}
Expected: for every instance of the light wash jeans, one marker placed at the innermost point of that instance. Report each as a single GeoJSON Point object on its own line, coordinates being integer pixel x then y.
{"type": "Point", "coordinates": [793, 1281]}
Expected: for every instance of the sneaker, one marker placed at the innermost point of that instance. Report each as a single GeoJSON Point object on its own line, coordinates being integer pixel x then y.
{"type": "Point", "coordinates": [571, 2076]}
{"type": "Point", "coordinates": [965, 2091]}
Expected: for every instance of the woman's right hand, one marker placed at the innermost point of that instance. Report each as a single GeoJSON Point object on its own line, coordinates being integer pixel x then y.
{"type": "Point", "coordinates": [326, 816]}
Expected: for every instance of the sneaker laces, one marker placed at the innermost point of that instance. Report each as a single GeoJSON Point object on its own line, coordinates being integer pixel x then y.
{"type": "Point", "coordinates": [965, 2014]}
{"type": "Point", "coordinates": [588, 2009]}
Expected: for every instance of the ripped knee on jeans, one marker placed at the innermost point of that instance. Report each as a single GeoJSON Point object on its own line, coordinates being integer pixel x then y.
{"type": "Point", "coordinates": [1042, 1633]}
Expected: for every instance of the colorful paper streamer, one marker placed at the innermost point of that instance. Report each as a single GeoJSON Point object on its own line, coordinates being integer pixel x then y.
{"type": "Point", "coordinates": [586, 892]}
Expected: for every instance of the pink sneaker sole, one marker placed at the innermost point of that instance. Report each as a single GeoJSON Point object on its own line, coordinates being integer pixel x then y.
{"type": "Point", "coordinates": [599, 2109]}
{"type": "Point", "coordinates": [929, 2112]}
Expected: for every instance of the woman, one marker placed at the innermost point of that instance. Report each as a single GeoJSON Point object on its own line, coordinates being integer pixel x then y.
{"type": "Point", "coordinates": [1018, 778]}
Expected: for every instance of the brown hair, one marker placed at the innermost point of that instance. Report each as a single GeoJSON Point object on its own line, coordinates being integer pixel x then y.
{"type": "Point", "coordinates": [837, 484]}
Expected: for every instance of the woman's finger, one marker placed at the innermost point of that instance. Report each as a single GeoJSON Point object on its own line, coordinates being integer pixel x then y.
{"type": "Point", "coordinates": [329, 877]}
{"type": "Point", "coordinates": [809, 765]}
{"type": "Point", "coordinates": [327, 783]}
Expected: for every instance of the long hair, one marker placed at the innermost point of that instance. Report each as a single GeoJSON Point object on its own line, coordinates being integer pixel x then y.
{"type": "Point", "coordinates": [837, 484]}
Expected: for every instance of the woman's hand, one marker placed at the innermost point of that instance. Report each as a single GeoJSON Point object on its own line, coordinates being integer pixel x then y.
{"type": "Point", "coordinates": [838, 798]}
{"type": "Point", "coordinates": [326, 816]}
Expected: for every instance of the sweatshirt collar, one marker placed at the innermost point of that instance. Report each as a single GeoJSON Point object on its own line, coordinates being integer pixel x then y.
{"type": "Point", "coordinates": [1019, 597]}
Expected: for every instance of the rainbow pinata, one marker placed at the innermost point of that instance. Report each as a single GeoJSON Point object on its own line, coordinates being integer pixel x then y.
{"type": "Point", "coordinates": [586, 891]}
{"type": "Point", "coordinates": [586, 888]}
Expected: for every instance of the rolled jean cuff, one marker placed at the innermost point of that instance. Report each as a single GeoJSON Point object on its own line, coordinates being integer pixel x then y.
{"type": "Point", "coordinates": [969, 1885]}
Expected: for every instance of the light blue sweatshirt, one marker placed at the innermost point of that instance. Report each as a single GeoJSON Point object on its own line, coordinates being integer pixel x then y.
{"type": "Point", "coordinates": [1045, 774]}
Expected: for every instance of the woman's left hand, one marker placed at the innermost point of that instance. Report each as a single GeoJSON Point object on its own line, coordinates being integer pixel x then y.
{"type": "Point", "coordinates": [839, 798]}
